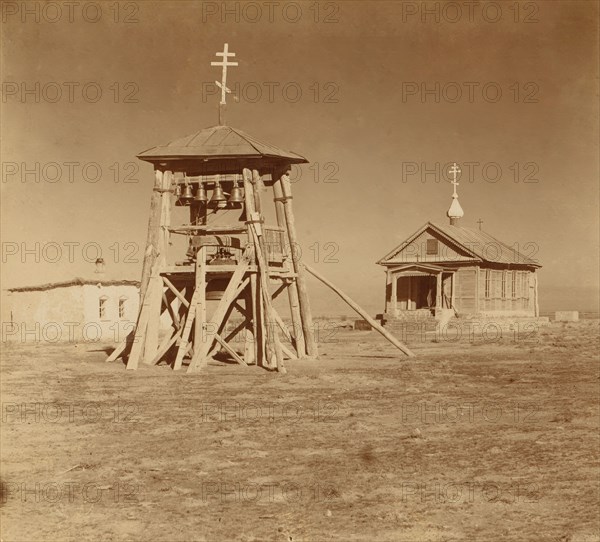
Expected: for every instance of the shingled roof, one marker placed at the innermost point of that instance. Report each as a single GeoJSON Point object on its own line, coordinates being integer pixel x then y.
{"type": "Point", "coordinates": [219, 142]}
{"type": "Point", "coordinates": [476, 243]}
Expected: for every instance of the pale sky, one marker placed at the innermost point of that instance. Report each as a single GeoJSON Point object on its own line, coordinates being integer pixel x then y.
{"type": "Point", "coordinates": [362, 108]}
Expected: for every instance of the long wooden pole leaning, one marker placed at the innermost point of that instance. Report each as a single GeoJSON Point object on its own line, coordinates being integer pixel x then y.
{"type": "Point", "coordinates": [362, 313]}
{"type": "Point", "coordinates": [305, 312]}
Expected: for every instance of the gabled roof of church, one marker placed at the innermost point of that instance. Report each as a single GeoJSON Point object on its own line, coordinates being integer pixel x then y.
{"type": "Point", "coordinates": [476, 243]}
{"type": "Point", "coordinates": [219, 142]}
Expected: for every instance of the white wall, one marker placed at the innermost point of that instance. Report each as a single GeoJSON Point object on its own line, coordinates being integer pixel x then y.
{"type": "Point", "coordinates": [112, 327]}
{"type": "Point", "coordinates": [69, 314]}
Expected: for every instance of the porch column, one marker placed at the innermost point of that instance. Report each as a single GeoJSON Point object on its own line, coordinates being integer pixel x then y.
{"type": "Point", "coordinates": [535, 293]}
{"type": "Point", "coordinates": [452, 288]}
{"type": "Point", "coordinates": [394, 299]}
{"type": "Point", "coordinates": [438, 290]}
{"type": "Point", "coordinates": [388, 291]}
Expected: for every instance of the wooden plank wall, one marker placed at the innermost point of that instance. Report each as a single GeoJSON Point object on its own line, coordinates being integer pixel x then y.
{"type": "Point", "coordinates": [517, 292]}
{"type": "Point", "coordinates": [465, 281]}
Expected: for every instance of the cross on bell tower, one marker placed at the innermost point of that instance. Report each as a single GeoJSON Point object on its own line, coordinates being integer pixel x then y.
{"type": "Point", "coordinates": [224, 63]}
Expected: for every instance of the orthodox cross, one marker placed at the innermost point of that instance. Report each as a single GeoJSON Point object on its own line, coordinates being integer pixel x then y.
{"type": "Point", "coordinates": [454, 170]}
{"type": "Point", "coordinates": [480, 222]}
{"type": "Point", "coordinates": [224, 63]}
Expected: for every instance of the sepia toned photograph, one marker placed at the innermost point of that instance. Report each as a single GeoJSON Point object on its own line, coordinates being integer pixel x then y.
{"type": "Point", "coordinates": [300, 271]}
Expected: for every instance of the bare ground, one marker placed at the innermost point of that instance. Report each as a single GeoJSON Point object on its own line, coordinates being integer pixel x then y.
{"type": "Point", "coordinates": [471, 440]}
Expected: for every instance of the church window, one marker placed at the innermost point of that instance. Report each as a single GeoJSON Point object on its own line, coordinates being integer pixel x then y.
{"type": "Point", "coordinates": [432, 246]}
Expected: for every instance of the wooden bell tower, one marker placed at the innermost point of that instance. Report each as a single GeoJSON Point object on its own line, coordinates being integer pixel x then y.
{"type": "Point", "coordinates": [221, 294]}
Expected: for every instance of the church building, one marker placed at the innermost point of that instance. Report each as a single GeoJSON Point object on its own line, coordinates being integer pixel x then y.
{"type": "Point", "coordinates": [445, 270]}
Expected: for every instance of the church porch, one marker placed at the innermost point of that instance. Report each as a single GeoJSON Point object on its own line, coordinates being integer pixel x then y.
{"type": "Point", "coordinates": [418, 292]}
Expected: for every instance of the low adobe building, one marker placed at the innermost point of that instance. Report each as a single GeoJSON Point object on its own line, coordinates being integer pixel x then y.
{"type": "Point", "coordinates": [92, 309]}
{"type": "Point", "coordinates": [446, 270]}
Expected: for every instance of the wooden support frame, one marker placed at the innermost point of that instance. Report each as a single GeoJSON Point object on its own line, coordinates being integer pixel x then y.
{"type": "Point", "coordinates": [305, 311]}
{"type": "Point", "coordinates": [292, 288]}
{"type": "Point", "coordinates": [255, 234]}
{"type": "Point", "coordinates": [180, 291]}
{"type": "Point", "coordinates": [217, 320]}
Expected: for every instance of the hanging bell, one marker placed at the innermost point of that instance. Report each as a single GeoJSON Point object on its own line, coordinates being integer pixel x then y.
{"type": "Point", "coordinates": [187, 195]}
{"type": "Point", "coordinates": [218, 195]}
{"type": "Point", "coordinates": [177, 193]}
{"type": "Point", "coordinates": [237, 195]}
{"type": "Point", "coordinates": [201, 196]}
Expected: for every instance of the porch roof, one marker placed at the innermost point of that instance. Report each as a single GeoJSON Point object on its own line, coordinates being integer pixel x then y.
{"type": "Point", "coordinates": [418, 269]}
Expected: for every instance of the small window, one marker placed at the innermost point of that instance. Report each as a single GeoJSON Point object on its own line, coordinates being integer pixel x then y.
{"type": "Point", "coordinates": [122, 301]}
{"type": "Point", "coordinates": [102, 306]}
{"type": "Point", "coordinates": [503, 285]}
{"type": "Point", "coordinates": [487, 283]}
{"type": "Point", "coordinates": [432, 246]}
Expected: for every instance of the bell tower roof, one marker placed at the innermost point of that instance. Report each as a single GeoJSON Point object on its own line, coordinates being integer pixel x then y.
{"type": "Point", "coordinates": [220, 144]}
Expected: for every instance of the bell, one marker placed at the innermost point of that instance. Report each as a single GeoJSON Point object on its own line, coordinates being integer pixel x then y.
{"type": "Point", "coordinates": [201, 196]}
{"type": "Point", "coordinates": [215, 289]}
{"type": "Point", "coordinates": [187, 195]}
{"type": "Point", "coordinates": [177, 192]}
{"type": "Point", "coordinates": [237, 195]}
{"type": "Point", "coordinates": [218, 195]}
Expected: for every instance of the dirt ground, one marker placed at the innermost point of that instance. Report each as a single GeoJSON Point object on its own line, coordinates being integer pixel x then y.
{"type": "Point", "coordinates": [471, 440]}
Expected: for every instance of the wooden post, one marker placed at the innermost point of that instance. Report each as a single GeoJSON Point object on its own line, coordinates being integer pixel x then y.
{"type": "Point", "coordinates": [362, 313]}
{"type": "Point", "coordinates": [477, 289]}
{"type": "Point", "coordinates": [305, 312]}
{"type": "Point", "coordinates": [438, 291]}
{"type": "Point", "coordinates": [263, 268]}
{"type": "Point", "coordinates": [152, 240]}
{"type": "Point", "coordinates": [162, 243]}
{"type": "Point", "coordinates": [200, 287]}
{"type": "Point", "coordinates": [394, 294]}
{"type": "Point", "coordinates": [256, 319]}
{"type": "Point", "coordinates": [535, 293]}
{"type": "Point", "coordinates": [292, 288]}
{"type": "Point", "coordinates": [388, 292]}
{"type": "Point", "coordinates": [250, 331]}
